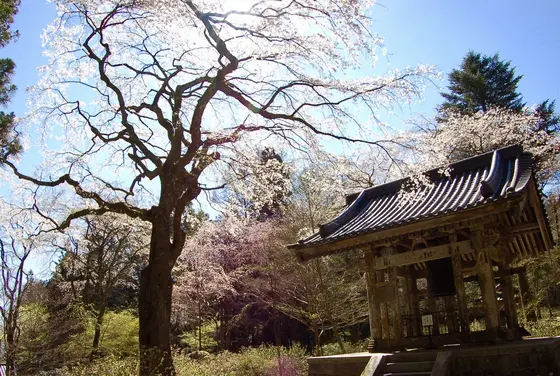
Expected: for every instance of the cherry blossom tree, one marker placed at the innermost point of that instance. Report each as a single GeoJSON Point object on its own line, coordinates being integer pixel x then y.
{"type": "Point", "coordinates": [462, 136]}
{"type": "Point", "coordinates": [142, 99]}
{"type": "Point", "coordinates": [246, 268]}
{"type": "Point", "coordinates": [200, 279]}
{"type": "Point", "coordinates": [326, 293]}
{"type": "Point", "coordinates": [231, 254]}
{"type": "Point", "coordinates": [258, 183]}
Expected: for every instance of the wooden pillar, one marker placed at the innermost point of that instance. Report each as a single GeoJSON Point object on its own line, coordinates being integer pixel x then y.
{"type": "Point", "coordinates": [486, 280]}
{"type": "Point", "coordinates": [407, 328]}
{"type": "Point", "coordinates": [509, 297]}
{"type": "Point", "coordinates": [450, 318]}
{"type": "Point", "coordinates": [397, 322]}
{"type": "Point", "coordinates": [464, 321]}
{"type": "Point", "coordinates": [373, 305]}
{"type": "Point", "coordinates": [384, 312]}
{"type": "Point", "coordinates": [526, 296]}
{"type": "Point", "coordinates": [414, 308]}
{"type": "Point", "coordinates": [432, 306]}
{"type": "Point", "coordinates": [410, 301]}
{"type": "Point", "coordinates": [385, 322]}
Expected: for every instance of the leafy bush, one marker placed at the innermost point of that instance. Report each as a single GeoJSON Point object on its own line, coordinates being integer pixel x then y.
{"type": "Point", "coordinates": [109, 365]}
{"type": "Point", "coordinates": [208, 337]}
{"type": "Point", "coordinates": [119, 336]}
{"type": "Point", "coordinates": [544, 328]}
{"type": "Point", "coordinates": [34, 335]}
{"type": "Point", "coordinates": [119, 333]}
{"type": "Point", "coordinates": [349, 347]}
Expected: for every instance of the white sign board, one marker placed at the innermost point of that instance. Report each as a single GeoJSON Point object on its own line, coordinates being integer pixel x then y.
{"type": "Point", "coordinates": [427, 320]}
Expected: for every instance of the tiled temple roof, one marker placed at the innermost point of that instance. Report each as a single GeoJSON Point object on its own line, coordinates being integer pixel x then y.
{"type": "Point", "coordinates": [470, 183]}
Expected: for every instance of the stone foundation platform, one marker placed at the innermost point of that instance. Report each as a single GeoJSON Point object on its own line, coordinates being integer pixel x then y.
{"type": "Point", "coordinates": [530, 357]}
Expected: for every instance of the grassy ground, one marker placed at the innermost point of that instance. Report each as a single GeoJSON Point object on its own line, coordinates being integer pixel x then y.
{"type": "Point", "coordinates": [547, 324]}
{"type": "Point", "coordinates": [262, 361]}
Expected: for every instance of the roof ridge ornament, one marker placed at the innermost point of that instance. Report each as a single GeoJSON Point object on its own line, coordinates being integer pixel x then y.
{"type": "Point", "coordinates": [515, 177]}
{"type": "Point", "coordinates": [344, 217]}
{"type": "Point", "coordinates": [490, 183]}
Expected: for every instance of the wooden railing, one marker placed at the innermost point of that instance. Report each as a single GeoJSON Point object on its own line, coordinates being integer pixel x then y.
{"type": "Point", "coordinates": [444, 322]}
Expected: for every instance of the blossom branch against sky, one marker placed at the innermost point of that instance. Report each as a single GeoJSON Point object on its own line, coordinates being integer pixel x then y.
{"type": "Point", "coordinates": [116, 88]}
{"type": "Point", "coordinates": [438, 32]}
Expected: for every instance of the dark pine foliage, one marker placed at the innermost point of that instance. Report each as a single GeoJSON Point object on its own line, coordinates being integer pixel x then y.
{"type": "Point", "coordinates": [549, 120]}
{"type": "Point", "coordinates": [483, 82]}
{"type": "Point", "coordinates": [480, 83]}
{"type": "Point", "coordinates": [9, 144]}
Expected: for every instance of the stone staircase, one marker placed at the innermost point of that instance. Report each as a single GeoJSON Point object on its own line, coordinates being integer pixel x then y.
{"type": "Point", "coordinates": [409, 364]}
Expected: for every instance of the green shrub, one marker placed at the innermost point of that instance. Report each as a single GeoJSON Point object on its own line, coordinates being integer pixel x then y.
{"type": "Point", "coordinates": [119, 337]}
{"type": "Point", "coordinates": [349, 347]}
{"type": "Point", "coordinates": [549, 327]}
{"type": "Point", "coordinates": [208, 338]}
{"type": "Point", "coordinates": [119, 333]}
{"type": "Point", "coordinates": [34, 334]}
{"type": "Point", "coordinates": [108, 365]}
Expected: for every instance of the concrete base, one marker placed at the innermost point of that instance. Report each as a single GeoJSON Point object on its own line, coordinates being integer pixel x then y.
{"type": "Point", "coordinates": [340, 365]}
{"type": "Point", "coordinates": [528, 357]}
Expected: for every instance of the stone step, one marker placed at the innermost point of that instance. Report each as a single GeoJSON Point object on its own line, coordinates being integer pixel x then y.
{"type": "Point", "coordinates": [403, 367]}
{"type": "Point", "coordinates": [412, 356]}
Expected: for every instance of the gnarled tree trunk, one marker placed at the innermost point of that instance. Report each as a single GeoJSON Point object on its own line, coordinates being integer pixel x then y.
{"type": "Point", "coordinates": [10, 353]}
{"type": "Point", "coordinates": [155, 312]}
{"type": "Point", "coordinates": [154, 305]}
{"type": "Point", "coordinates": [97, 331]}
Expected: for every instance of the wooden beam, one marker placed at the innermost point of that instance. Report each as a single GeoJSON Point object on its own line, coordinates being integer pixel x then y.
{"type": "Point", "coordinates": [457, 264]}
{"type": "Point", "coordinates": [383, 311]}
{"type": "Point", "coordinates": [414, 307]}
{"type": "Point", "coordinates": [381, 284]}
{"type": "Point", "coordinates": [499, 273]}
{"type": "Point", "coordinates": [528, 227]}
{"type": "Point", "coordinates": [488, 288]}
{"type": "Point", "coordinates": [385, 321]}
{"type": "Point", "coordinates": [423, 255]}
{"type": "Point", "coordinates": [526, 296]}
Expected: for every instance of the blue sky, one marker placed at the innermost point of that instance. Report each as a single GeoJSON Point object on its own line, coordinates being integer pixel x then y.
{"type": "Point", "coordinates": [436, 32]}
{"type": "Point", "coordinates": [441, 32]}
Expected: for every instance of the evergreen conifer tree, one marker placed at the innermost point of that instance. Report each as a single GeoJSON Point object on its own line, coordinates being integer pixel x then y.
{"type": "Point", "coordinates": [480, 83]}
{"type": "Point", "coordinates": [9, 143]}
